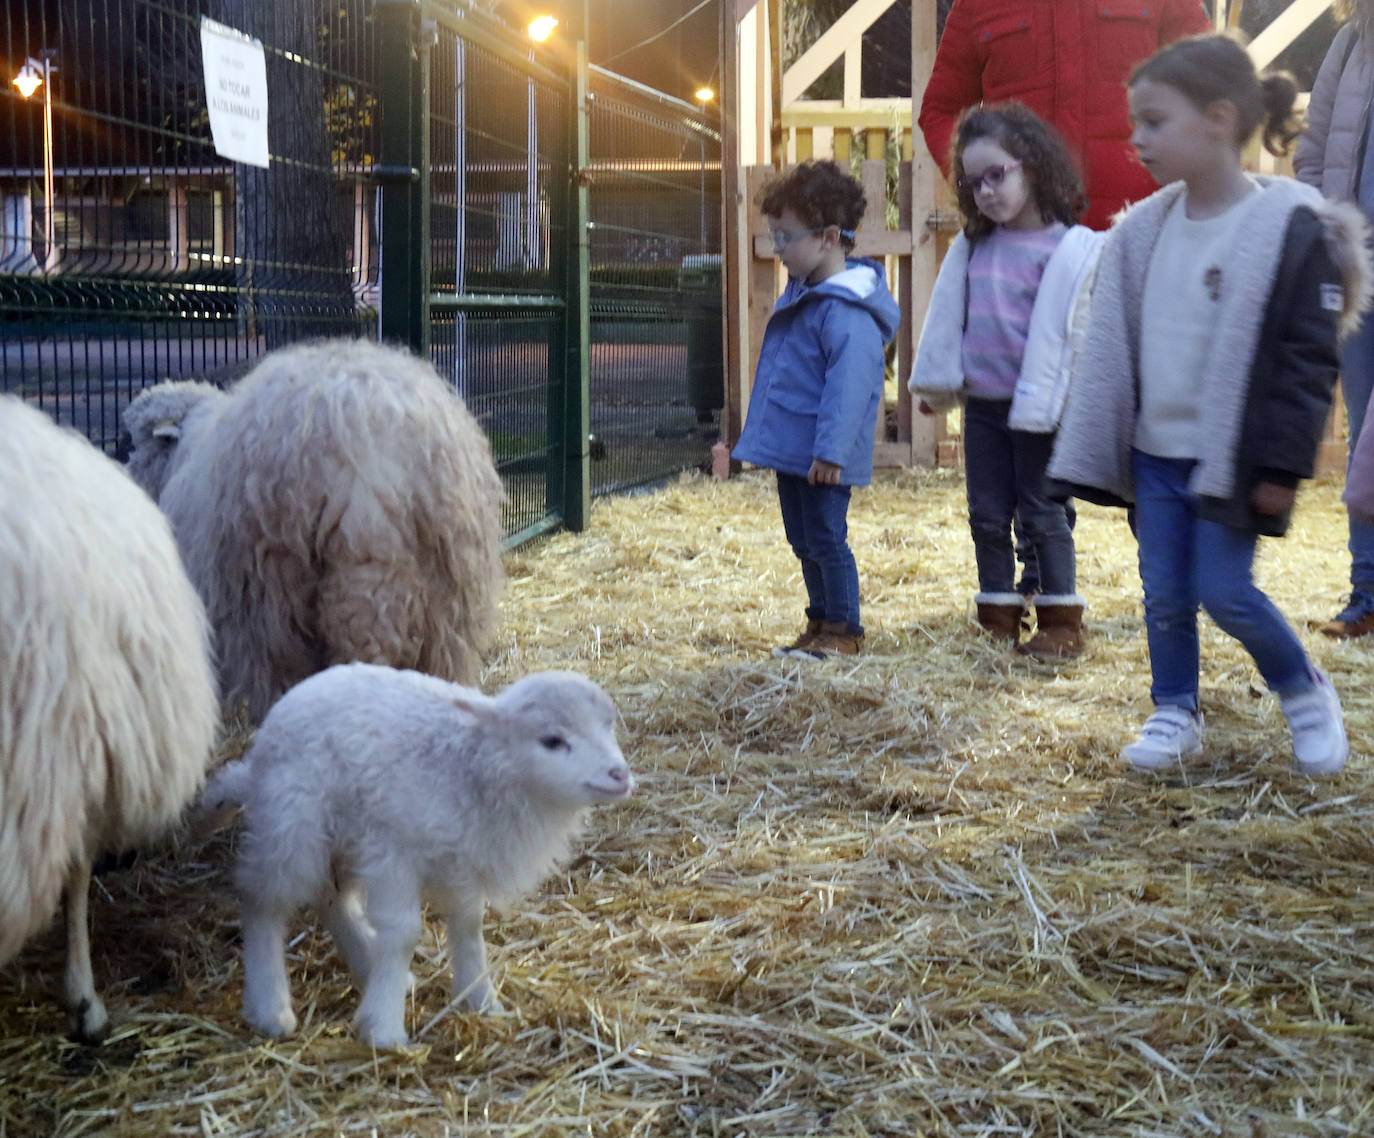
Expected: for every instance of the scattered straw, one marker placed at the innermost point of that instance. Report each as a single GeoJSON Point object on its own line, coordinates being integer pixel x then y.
{"type": "Point", "coordinates": [912, 894]}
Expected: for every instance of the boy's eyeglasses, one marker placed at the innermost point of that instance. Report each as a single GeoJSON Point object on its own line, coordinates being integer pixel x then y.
{"type": "Point", "coordinates": [782, 239]}
{"type": "Point", "coordinates": [992, 177]}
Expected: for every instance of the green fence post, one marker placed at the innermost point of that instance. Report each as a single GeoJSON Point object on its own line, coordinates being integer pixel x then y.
{"type": "Point", "coordinates": [577, 480]}
{"type": "Point", "coordinates": [402, 174]}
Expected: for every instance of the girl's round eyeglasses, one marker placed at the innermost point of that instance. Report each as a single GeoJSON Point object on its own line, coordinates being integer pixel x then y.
{"type": "Point", "coordinates": [992, 177]}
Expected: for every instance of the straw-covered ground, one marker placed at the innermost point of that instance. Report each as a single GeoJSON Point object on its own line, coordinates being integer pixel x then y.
{"type": "Point", "coordinates": [914, 894]}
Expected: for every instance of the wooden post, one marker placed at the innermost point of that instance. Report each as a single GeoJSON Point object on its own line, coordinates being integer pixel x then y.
{"type": "Point", "coordinates": [775, 140]}
{"type": "Point", "coordinates": [734, 248]}
{"type": "Point", "coordinates": [906, 337]}
{"type": "Point", "coordinates": [763, 273]}
{"type": "Point", "coordinates": [924, 176]}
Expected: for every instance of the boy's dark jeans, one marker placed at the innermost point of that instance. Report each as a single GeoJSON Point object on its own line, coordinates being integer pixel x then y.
{"type": "Point", "coordinates": [815, 520]}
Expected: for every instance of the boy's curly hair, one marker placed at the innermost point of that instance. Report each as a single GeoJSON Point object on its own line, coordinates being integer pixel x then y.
{"type": "Point", "coordinates": [820, 194]}
{"type": "Point", "coordinates": [1049, 171]}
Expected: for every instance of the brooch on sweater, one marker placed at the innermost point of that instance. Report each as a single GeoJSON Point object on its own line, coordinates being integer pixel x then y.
{"type": "Point", "coordinates": [1212, 280]}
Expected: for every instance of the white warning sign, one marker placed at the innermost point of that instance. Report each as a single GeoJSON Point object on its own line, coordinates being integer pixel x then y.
{"type": "Point", "coordinates": [235, 92]}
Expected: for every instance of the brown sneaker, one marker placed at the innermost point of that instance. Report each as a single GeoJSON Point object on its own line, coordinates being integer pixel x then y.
{"type": "Point", "coordinates": [834, 639]}
{"type": "Point", "coordinates": [1356, 619]}
{"type": "Point", "coordinates": [802, 642]}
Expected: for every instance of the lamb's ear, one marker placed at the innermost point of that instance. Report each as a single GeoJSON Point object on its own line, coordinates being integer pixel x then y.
{"type": "Point", "coordinates": [482, 708]}
{"type": "Point", "coordinates": [167, 429]}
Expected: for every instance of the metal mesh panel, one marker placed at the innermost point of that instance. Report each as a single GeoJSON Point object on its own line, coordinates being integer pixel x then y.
{"type": "Point", "coordinates": [656, 361]}
{"type": "Point", "coordinates": [129, 250]}
{"type": "Point", "coordinates": [498, 138]}
{"type": "Point", "coordinates": [502, 367]}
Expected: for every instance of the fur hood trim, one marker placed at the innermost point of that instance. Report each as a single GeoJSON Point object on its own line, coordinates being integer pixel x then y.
{"type": "Point", "coordinates": [1347, 237]}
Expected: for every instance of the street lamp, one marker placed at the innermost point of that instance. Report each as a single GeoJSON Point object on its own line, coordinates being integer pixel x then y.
{"type": "Point", "coordinates": [34, 74]}
{"type": "Point", "coordinates": [541, 28]}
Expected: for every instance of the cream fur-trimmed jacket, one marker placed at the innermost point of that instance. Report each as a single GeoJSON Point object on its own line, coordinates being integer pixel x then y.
{"type": "Point", "coordinates": [1058, 319]}
{"type": "Point", "coordinates": [1296, 284]}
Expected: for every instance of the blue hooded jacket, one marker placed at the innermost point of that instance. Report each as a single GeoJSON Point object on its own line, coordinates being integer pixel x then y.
{"type": "Point", "coordinates": [819, 382]}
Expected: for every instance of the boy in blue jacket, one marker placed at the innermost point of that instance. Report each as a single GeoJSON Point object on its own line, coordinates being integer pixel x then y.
{"type": "Point", "coordinates": [818, 389]}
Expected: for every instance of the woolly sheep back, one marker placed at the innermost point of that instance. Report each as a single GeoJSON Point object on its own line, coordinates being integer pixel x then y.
{"type": "Point", "coordinates": [107, 703]}
{"type": "Point", "coordinates": [338, 504]}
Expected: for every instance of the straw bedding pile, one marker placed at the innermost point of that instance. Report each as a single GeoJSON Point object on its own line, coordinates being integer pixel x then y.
{"type": "Point", "coordinates": [912, 894]}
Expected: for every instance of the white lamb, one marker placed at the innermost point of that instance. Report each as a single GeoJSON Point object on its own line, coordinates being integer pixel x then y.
{"type": "Point", "coordinates": [107, 702]}
{"type": "Point", "coordinates": [369, 789]}
{"type": "Point", "coordinates": [339, 503]}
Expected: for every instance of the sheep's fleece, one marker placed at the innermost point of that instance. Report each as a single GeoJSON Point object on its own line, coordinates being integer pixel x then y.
{"type": "Point", "coordinates": [107, 703]}
{"type": "Point", "coordinates": [338, 504]}
{"type": "Point", "coordinates": [369, 788]}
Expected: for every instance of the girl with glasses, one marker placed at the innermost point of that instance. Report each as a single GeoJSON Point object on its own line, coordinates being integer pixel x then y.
{"type": "Point", "coordinates": [997, 336]}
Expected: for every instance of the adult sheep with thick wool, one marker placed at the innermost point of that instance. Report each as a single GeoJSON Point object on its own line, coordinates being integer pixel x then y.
{"type": "Point", "coordinates": [368, 790]}
{"type": "Point", "coordinates": [339, 503]}
{"type": "Point", "coordinates": [108, 709]}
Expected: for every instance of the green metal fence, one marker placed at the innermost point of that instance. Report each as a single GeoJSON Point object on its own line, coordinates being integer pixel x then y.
{"type": "Point", "coordinates": [542, 230]}
{"type": "Point", "coordinates": [656, 353]}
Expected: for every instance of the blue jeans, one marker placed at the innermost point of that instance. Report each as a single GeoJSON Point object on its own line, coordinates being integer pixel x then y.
{"type": "Point", "coordinates": [815, 519]}
{"type": "Point", "coordinates": [1357, 379]}
{"type": "Point", "coordinates": [1004, 471]}
{"type": "Point", "coordinates": [1186, 561]}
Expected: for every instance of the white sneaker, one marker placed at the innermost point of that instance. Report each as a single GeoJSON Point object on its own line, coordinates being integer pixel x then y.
{"type": "Point", "coordinates": [1314, 717]}
{"type": "Point", "coordinates": [1169, 736]}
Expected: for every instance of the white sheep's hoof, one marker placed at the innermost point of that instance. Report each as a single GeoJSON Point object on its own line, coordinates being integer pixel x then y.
{"type": "Point", "coordinates": [275, 1023]}
{"type": "Point", "coordinates": [380, 1036]}
{"type": "Point", "coordinates": [483, 1002]}
{"type": "Point", "coordinates": [90, 1022]}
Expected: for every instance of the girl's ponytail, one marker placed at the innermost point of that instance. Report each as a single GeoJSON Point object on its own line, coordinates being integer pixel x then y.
{"type": "Point", "coordinates": [1208, 68]}
{"type": "Point", "coordinates": [1282, 124]}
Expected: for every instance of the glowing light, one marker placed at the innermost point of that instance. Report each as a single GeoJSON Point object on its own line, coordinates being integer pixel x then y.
{"type": "Point", "coordinates": [541, 27]}
{"type": "Point", "coordinates": [28, 80]}
{"type": "Point", "coordinates": [705, 94]}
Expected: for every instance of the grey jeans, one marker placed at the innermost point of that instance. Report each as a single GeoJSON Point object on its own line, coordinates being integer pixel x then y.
{"type": "Point", "coordinates": [1005, 475]}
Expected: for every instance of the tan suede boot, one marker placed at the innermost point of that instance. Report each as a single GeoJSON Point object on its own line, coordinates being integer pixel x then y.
{"type": "Point", "coordinates": [834, 639]}
{"type": "Point", "coordinates": [803, 641]}
{"type": "Point", "coordinates": [1058, 628]}
{"type": "Point", "coordinates": [1000, 614]}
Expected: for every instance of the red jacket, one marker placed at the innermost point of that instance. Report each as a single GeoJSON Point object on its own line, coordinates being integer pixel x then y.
{"type": "Point", "coordinates": [1068, 60]}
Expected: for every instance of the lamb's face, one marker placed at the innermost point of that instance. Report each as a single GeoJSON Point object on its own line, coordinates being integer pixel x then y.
{"type": "Point", "coordinates": [154, 422]}
{"type": "Point", "coordinates": [564, 728]}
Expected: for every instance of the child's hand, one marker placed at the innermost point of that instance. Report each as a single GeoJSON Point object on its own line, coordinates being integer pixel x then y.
{"type": "Point", "coordinates": [823, 473]}
{"type": "Point", "coordinates": [1272, 499]}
